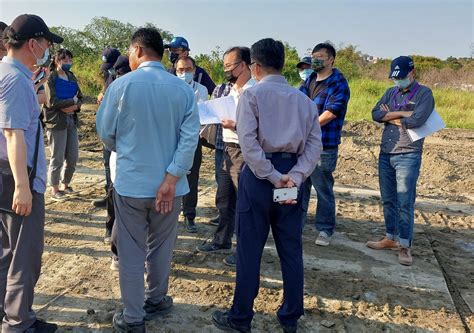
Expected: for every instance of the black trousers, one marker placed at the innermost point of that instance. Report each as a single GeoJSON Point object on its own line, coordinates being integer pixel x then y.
{"type": "Point", "coordinates": [190, 200]}
{"type": "Point", "coordinates": [226, 196]}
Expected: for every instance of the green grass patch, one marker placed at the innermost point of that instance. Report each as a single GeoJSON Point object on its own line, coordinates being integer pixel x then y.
{"type": "Point", "coordinates": [456, 107]}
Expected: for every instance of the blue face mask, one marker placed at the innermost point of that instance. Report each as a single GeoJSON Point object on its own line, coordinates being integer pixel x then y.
{"type": "Point", "coordinates": [66, 67]}
{"type": "Point", "coordinates": [305, 73]}
{"type": "Point", "coordinates": [186, 76]}
{"type": "Point", "coordinates": [402, 84]}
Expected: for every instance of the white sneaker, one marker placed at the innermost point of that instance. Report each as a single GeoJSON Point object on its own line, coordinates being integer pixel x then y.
{"type": "Point", "coordinates": [115, 264]}
{"type": "Point", "coordinates": [323, 239]}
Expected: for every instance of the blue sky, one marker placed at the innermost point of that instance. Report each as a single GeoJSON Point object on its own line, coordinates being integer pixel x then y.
{"type": "Point", "coordinates": [381, 28]}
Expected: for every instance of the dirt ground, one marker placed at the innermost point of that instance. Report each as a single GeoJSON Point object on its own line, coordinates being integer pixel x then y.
{"type": "Point", "coordinates": [348, 288]}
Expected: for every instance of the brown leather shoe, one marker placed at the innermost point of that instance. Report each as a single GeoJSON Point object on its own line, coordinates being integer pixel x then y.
{"type": "Point", "coordinates": [383, 244]}
{"type": "Point", "coordinates": [404, 256]}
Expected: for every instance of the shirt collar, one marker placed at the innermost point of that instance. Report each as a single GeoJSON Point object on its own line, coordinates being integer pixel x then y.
{"type": "Point", "coordinates": [19, 65]}
{"type": "Point", "coordinates": [151, 64]}
{"type": "Point", "coordinates": [277, 78]}
{"type": "Point", "coordinates": [248, 84]}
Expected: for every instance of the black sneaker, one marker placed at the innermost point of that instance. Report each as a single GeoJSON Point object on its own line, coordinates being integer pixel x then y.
{"type": "Point", "coordinates": [158, 310]}
{"type": "Point", "coordinates": [221, 321]}
{"type": "Point", "coordinates": [121, 326]}
{"type": "Point", "coordinates": [230, 260]}
{"type": "Point", "coordinates": [41, 326]}
{"type": "Point", "coordinates": [211, 247]}
{"type": "Point", "coordinates": [190, 225]}
{"type": "Point", "coordinates": [215, 221]}
{"type": "Point", "coordinates": [100, 203]}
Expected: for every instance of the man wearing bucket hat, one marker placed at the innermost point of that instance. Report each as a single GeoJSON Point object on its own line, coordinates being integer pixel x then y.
{"type": "Point", "coordinates": [27, 41]}
{"type": "Point", "coordinates": [405, 106]}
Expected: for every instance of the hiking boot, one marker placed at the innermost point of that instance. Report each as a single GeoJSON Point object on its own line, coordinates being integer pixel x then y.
{"type": "Point", "coordinates": [190, 225]}
{"type": "Point", "coordinates": [41, 326]}
{"type": "Point", "coordinates": [114, 265]}
{"type": "Point", "coordinates": [100, 203]}
{"type": "Point", "coordinates": [159, 309]}
{"type": "Point", "coordinates": [211, 247]}
{"type": "Point", "coordinates": [323, 239]}
{"type": "Point", "coordinates": [404, 256]}
{"type": "Point", "coordinates": [121, 326]}
{"type": "Point", "coordinates": [221, 321]}
{"type": "Point", "coordinates": [383, 244]}
{"type": "Point", "coordinates": [215, 221]}
{"type": "Point", "coordinates": [58, 196]}
{"type": "Point", "coordinates": [230, 260]}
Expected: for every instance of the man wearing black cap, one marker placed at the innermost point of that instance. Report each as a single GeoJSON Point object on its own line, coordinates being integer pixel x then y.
{"type": "Point", "coordinates": [304, 68]}
{"type": "Point", "coordinates": [179, 48]}
{"type": "Point", "coordinates": [27, 41]}
{"type": "Point", "coordinates": [405, 106]}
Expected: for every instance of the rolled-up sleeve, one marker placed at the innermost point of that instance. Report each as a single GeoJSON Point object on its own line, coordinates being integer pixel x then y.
{"type": "Point", "coordinates": [312, 150]}
{"type": "Point", "coordinates": [377, 114]}
{"type": "Point", "coordinates": [188, 139]}
{"type": "Point", "coordinates": [107, 117]}
{"type": "Point", "coordinates": [247, 131]}
{"type": "Point", "coordinates": [337, 103]}
{"type": "Point", "coordinates": [423, 109]}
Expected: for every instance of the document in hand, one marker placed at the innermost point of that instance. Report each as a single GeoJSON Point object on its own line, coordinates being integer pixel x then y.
{"type": "Point", "coordinates": [213, 111]}
{"type": "Point", "coordinates": [433, 124]}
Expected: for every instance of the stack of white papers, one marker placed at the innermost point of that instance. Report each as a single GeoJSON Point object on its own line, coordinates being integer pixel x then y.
{"type": "Point", "coordinates": [433, 124]}
{"type": "Point", "coordinates": [215, 110]}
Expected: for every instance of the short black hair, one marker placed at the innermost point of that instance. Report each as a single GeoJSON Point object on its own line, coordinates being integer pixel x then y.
{"type": "Point", "coordinates": [328, 47]}
{"type": "Point", "coordinates": [268, 53]}
{"type": "Point", "coordinates": [3, 26]}
{"type": "Point", "coordinates": [243, 53]}
{"type": "Point", "coordinates": [10, 38]}
{"type": "Point", "coordinates": [185, 59]}
{"type": "Point", "coordinates": [149, 38]}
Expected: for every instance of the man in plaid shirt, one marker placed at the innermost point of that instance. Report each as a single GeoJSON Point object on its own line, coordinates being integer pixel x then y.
{"type": "Point", "coordinates": [329, 89]}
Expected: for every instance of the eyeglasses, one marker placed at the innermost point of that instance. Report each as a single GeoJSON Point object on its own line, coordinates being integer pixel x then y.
{"type": "Point", "coordinates": [228, 66]}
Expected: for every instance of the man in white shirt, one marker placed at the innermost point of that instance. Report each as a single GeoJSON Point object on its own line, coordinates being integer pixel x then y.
{"type": "Point", "coordinates": [237, 73]}
{"type": "Point", "coordinates": [185, 70]}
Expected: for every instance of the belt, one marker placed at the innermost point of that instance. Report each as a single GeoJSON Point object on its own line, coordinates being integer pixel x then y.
{"type": "Point", "coordinates": [281, 155]}
{"type": "Point", "coordinates": [232, 145]}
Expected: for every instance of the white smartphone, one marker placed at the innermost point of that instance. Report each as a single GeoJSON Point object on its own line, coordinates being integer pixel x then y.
{"type": "Point", "coordinates": [285, 193]}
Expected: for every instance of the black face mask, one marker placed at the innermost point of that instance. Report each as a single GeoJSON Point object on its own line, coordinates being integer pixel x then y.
{"type": "Point", "coordinates": [230, 77]}
{"type": "Point", "coordinates": [173, 57]}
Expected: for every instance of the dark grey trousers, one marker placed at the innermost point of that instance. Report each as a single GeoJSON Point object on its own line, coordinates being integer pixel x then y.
{"type": "Point", "coordinates": [64, 147]}
{"type": "Point", "coordinates": [226, 196]}
{"type": "Point", "coordinates": [20, 265]}
{"type": "Point", "coordinates": [143, 235]}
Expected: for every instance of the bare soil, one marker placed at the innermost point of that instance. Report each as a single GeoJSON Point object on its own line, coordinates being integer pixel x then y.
{"type": "Point", "coordinates": [348, 288]}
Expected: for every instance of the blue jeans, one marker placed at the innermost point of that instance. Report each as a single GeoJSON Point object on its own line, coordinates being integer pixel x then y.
{"type": "Point", "coordinates": [323, 182]}
{"type": "Point", "coordinates": [398, 174]}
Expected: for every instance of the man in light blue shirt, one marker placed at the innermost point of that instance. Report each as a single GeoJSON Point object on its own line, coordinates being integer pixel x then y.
{"type": "Point", "coordinates": [27, 41]}
{"type": "Point", "coordinates": [149, 118]}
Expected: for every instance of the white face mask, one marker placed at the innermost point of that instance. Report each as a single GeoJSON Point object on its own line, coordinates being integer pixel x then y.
{"type": "Point", "coordinates": [104, 59]}
{"type": "Point", "coordinates": [41, 61]}
{"type": "Point", "coordinates": [186, 76]}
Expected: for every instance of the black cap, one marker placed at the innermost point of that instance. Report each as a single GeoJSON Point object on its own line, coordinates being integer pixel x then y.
{"type": "Point", "coordinates": [304, 60]}
{"type": "Point", "coordinates": [400, 67]}
{"type": "Point", "coordinates": [28, 26]}
{"type": "Point", "coordinates": [122, 65]}
{"type": "Point", "coordinates": [110, 55]}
